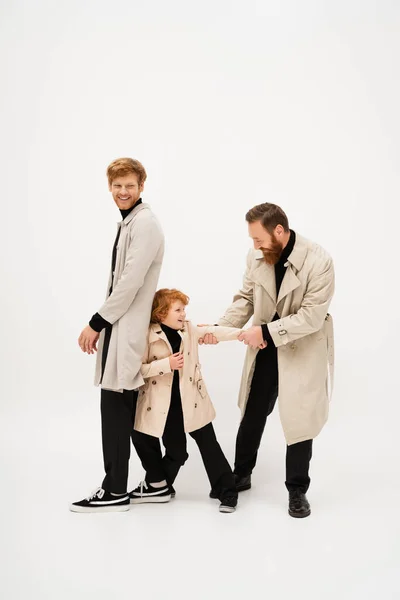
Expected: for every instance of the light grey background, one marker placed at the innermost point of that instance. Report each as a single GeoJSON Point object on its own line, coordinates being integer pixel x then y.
{"type": "Point", "coordinates": [227, 104]}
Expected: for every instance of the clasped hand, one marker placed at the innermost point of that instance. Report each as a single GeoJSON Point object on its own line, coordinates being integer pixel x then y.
{"type": "Point", "coordinates": [252, 337]}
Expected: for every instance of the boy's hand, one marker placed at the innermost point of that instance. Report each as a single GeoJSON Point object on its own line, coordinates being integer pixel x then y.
{"type": "Point", "coordinates": [176, 361]}
{"type": "Point", "coordinates": [209, 338]}
{"type": "Point", "coordinates": [88, 340]}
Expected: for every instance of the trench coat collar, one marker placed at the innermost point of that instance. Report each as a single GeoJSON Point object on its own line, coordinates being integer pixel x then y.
{"type": "Point", "coordinates": [294, 263]}
{"type": "Point", "coordinates": [133, 213]}
{"type": "Point", "coordinates": [290, 281]}
{"type": "Point", "coordinates": [156, 333]}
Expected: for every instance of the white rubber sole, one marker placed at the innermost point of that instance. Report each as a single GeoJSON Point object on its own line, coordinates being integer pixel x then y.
{"type": "Point", "coordinates": [227, 509]}
{"type": "Point", "coordinates": [150, 500]}
{"type": "Point", "coordinates": [99, 509]}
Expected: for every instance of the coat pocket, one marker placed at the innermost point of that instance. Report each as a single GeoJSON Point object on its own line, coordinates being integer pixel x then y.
{"type": "Point", "coordinates": [198, 379]}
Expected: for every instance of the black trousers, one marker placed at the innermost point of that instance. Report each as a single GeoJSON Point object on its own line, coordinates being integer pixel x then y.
{"type": "Point", "coordinates": [117, 419]}
{"type": "Point", "coordinates": [261, 402]}
{"type": "Point", "coordinates": [159, 467]}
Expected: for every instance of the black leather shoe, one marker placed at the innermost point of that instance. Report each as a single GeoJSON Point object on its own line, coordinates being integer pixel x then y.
{"type": "Point", "coordinates": [242, 483]}
{"type": "Point", "coordinates": [298, 505]}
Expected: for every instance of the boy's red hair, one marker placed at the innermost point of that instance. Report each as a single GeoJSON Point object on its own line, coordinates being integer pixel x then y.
{"type": "Point", "coordinates": [162, 303]}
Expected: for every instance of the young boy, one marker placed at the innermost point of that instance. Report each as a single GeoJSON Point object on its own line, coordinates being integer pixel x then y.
{"type": "Point", "coordinates": [173, 401]}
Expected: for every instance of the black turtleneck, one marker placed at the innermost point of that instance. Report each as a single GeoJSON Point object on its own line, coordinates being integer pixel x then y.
{"type": "Point", "coordinates": [173, 337]}
{"type": "Point", "coordinates": [97, 322]}
{"type": "Point", "coordinates": [127, 211]}
{"type": "Point", "coordinates": [280, 270]}
{"type": "Point", "coordinates": [175, 340]}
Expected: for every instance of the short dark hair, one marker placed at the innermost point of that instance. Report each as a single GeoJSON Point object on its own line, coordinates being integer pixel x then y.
{"type": "Point", "coordinates": [270, 216]}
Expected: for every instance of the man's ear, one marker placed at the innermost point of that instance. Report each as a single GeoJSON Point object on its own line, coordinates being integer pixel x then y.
{"type": "Point", "coordinates": [141, 187]}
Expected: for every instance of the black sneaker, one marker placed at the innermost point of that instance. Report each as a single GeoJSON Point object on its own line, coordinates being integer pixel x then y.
{"type": "Point", "coordinates": [228, 504]}
{"type": "Point", "coordinates": [172, 490]}
{"type": "Point", "coordinates": [243, 483]}
{"type": "Point", "coordinates": [101, 501]}
{"type": "Point", "coordinates": [298, 505]}
{"type": "Point", "coordinates": [146, 493]}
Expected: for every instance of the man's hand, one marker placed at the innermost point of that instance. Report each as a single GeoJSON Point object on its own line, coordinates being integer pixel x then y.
{"type": "Point", "coordinates": [253, 337]}
{"type": "Point", "coordinates": [176, 361]}
{"type": "Point", "coordinates": [209, 338]}
{"type": "Point", "coordinates": [88, 340]}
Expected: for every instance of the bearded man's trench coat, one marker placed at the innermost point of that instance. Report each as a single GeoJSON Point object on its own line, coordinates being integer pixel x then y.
{"type": "Point", "coordinates": [303, 334]}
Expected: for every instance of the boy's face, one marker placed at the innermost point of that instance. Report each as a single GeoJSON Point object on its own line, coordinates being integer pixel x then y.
{"type": "Point", "coordinates": [126, 191]}
{"type": "Point", "coordinates": [176, 315]}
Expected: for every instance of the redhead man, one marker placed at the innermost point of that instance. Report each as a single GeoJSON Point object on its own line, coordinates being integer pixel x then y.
{"type": "Point", "coordinates": [118, 330]}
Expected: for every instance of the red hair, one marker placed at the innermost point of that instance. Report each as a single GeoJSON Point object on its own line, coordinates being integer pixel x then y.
{"type": "Point", "coordinates": [162, 303]}
{"type": "Point", "coordinates": [126, 166]}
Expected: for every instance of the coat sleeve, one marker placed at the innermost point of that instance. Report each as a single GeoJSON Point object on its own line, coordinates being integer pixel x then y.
{"type": "Point", "coordinates": [223, 334]}
{"type": "Point", "coordinates": [313, 310]}
{"type": "Point", "coordinates": [156, 367]}
{"type": "Point", "coordinates": [143, 248]}
{"type": "Point", "coordinates": [242, 307]}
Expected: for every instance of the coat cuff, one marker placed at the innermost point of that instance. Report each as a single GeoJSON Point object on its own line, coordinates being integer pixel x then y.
{"type": "Point", "coordinates": [97, 323]}
{"type": "Point", "coordinates": [164, 366]}
{"type": "Point", "coordinates": [279, 334]}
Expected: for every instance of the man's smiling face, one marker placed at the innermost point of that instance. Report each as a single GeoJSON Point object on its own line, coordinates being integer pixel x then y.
{"type": "Point", "coordinates": [126, 191]}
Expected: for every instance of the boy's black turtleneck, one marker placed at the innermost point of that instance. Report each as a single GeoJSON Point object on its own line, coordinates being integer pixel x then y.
{"type": "Point", "coordinates": [97, 322]}
{"type": "Point", "coordinates": [280, 270]}
{"type": "Point", "coordinates": [173, 337]}
{"type": "Point", "coordinates": [175, 340]}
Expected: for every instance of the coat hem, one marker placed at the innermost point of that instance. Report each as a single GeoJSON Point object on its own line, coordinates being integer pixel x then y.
{"type": "Point", "coordinates": [303, 438]}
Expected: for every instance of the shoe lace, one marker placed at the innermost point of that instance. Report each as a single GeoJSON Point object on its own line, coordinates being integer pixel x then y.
{"type": "Point", "coordinates": [229, 500]}
{"type": "Point", "coordinates": [98, 493]}
{"type": "Point", "coordinates": [142, 485]}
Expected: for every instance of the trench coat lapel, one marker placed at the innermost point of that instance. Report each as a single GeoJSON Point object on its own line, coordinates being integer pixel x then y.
{"type": "Point", "coordinates": [294, 264]}
{"type": "Point", "coordinates": [290, 282]}
{"type": "Point", "coordinates": [156, 333]}
{"type": "Point", "coordinates": [264, 274]}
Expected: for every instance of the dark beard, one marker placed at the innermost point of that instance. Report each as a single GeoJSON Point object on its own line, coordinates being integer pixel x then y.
{"type": "Point", "coordinates": [272, 256]}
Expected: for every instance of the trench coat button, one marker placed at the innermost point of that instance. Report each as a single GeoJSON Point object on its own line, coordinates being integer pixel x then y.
{"type": "Point", "coordinates": [195, 405]}
{"type": "Point", "coordinates": [293, 347]}
{"type": "Point", "coordinates": [282, 332]}
{"type": "Point", "coordinates": [190, 378]}
{"type": "Point", "coordinates": [199, 387]}
{"type": "Point", "coordinates": [154, 357]}
{"type": "Point", "coordinates": [154, 382]}
{"type": "Point", "coordinates": [188, 353]}
{"type": "Point", "coordinates": [161, 373]}
{"type": "Point", "coordinates": [149, 408]}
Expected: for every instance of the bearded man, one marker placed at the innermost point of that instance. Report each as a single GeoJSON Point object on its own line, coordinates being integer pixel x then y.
{"type": "Point", "coordinates": [287, 288]}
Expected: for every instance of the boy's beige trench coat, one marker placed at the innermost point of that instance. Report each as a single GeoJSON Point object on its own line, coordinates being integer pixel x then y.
{"type": "Point", "coordinates": [303, 334]}
{"type": "Point", "coordinates": [155, 396]}
{"type": "Point", "coordinates": [140, 253]}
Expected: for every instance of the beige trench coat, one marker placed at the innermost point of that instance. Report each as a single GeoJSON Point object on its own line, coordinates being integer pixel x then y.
{"type": "Point", "coordinates": [140, 253]}
{"type": "Point", "coordinates": [155, 396]}
{"type": "Point", "coordinates": [303, 334]}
